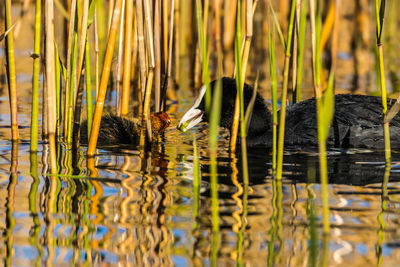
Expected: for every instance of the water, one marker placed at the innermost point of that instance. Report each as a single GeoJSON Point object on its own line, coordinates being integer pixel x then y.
{"type": "Point", "coordinates": [140, 209]}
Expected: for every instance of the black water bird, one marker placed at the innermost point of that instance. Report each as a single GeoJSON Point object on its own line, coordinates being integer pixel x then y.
{"type": "Point", "coordinates": [357, 121]}
{"type": "Point", "coordinates": [115, 130]}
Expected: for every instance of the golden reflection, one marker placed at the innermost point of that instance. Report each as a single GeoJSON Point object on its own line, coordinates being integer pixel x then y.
{"type": "Point", "coordinates": [312, 222]}
{"type": "Point", "coordinates": [10, 220]}
{"type": "Point", "coordinates": [381, 221]}
{"type": "Point", "coordinates": [50, 209]}
{"type": "Point", "coordinates": [35, 229]}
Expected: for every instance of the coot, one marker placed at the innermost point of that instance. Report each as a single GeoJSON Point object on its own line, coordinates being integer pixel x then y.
{"type": "Point", "coordinates": [357, 122]}
{"type": "Point", "coordinates": [115, 130]}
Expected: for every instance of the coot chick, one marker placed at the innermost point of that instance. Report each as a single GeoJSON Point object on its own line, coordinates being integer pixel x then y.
{"type": "Point", "coordinates": [115, 130]}
{"type": "Point", "coordinates": [357, 121]}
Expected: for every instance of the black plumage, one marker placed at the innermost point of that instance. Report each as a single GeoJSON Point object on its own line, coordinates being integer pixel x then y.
{"type": "Point", "coordinates": [357, 121]}
{"type": "Point", "coordinates": [114, 130]}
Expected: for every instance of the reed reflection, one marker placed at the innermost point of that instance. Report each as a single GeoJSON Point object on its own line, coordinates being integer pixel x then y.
{"type": "Point", "coordinates": [10, 220]}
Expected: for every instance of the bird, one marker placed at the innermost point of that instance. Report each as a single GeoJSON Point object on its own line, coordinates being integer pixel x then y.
{"type": "Point", "coordinates": [357, 121]}
{"type": "Point", "coordinates": [115, 130]}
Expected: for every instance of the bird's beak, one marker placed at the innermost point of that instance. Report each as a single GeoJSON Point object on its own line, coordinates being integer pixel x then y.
{"type": "Point", "coordinates": [191, 118]}
{"type": "Point", "coordinates": [194, 115]}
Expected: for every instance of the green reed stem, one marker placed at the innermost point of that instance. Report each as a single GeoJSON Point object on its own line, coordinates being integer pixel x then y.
{"type": "Point", "coordinates": [215, 114]}
{"type": "Point", "coordinates": [11, 75]}
{"type": "Point", "coordinates": [272, 67]}
{"type": "Point", "coordinates": [89, 101]}
{"type": "Point", "coordinates": [300, 56]}
{"type": "Point", "coordinates": [72, 71]}
{"type": "Point", "coordinates": [58, 91]}
{"type": "Point", "coordinates": [325, 110]}
{"type": "Point", "coordinates": [35, 230]}
{"type": "Point", "coordinates": [35, 79]}
{"type": "Point", "coordinates": [284, 92]}
{"type": "Point", "coordinates": [380, 14]}
{"type": "Point", "coordinates": [68, 74]}
{"type": "Point", "coordinates": [204, 54]}
{"type": "Point", "coordinates": [239, 88]}
{"type": "Point", "coordinates": [278, 27]}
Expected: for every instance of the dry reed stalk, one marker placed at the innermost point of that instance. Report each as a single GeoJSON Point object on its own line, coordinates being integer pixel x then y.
{"type": "Point", "coordinates": [118, 80]}
{"type": "Point", "coordinates": [134, 46]}
{"type": "Point", "coordinates": [169, 58]}
{"type": "Point", "coordinates": [51, 83]}
{"type": "Point", "coordinates": [12, 80]}
{"type": "Point", "coordinates": [197, 68]}
{"type": "Point", "coordinates": [229, 23]}
{"type": "Point", "coordinates": [150, 49]}
{"type": "Point", "coordinates": [295, 50]}
{"type": "Point", "coordinates": [165, 4]}
{"type": "Point", "coordinates": [82, 45]}
{"type": "Point", "coordinates": [142, 52]}
{"type": "Point", "coordinates": [104, 79]}
{"type": "Point", "coordinates": [218, 39]}
{"type": "Point", "coordinates": [157, 46]}
{"type": "Point", "coordinates": [176, 19]}
{"type": "Point", "coordinates": [335, 33]}
{"type": "Point", "coordinates": [328, 25]}
{"type": "Point", "coordinates": [171, 38]}
{"type": "Point", "coordinates": [127, 59]}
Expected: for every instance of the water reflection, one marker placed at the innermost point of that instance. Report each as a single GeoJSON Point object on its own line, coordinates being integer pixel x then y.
{"type": "Point", "coordinates": [141, 209]}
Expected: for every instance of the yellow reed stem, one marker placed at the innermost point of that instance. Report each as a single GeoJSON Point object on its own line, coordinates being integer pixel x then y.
{"type": "Point", "coordinates": [126, 82]}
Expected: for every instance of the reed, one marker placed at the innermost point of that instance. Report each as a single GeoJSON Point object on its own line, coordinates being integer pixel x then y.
{"type": "Point", "coordinates": [89, 98]}
{"type": "Point", "coordinates": [71, 58]}
{"type": "Point", "coordinates": [240, 77]}
{"type": "Point", "coordinates": [97, 53]}
{"type": "Point", "coordinates": [325, 106]}
{"type": "Point", "coordinates": [104, 80]}
{"type": "Point", "coordinates": [151, 65]}
{"type": "Point", "coordinates": [272, 67]}
{"type": "Point", "coordinates": [301, 15]}
{"type": "Point", "coordinates": [59, 99]}
{"type": "Point", "coordinates": [169, 58]}
{"type": "Point", "coordinates": [117, 82]}
{"type": "Point", "coordinates": [165, 8]}
{"type": "Point", "coordinates": [245, 50]}
{"type": "Point", "coordinates": [204, 53]}
{"type": "Point", "coordinates": [380, 8]}
{"type": "Point", "coordinates": [51, 83]}
{"type": "Point", "coordinates": [82, 41]}
{"type": "Point", "coordinates": [126, 82]}
{"type": "Point", "coordinates": [281, 137]}
{"type": "Point", "coordinates": [142, 52]}
{"type": "Point", "coordinates": [11, 75]}
{"type": "Point", "coordinates": [157, 48]}
{"type": "Point", "coordinates": [35, 79]}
